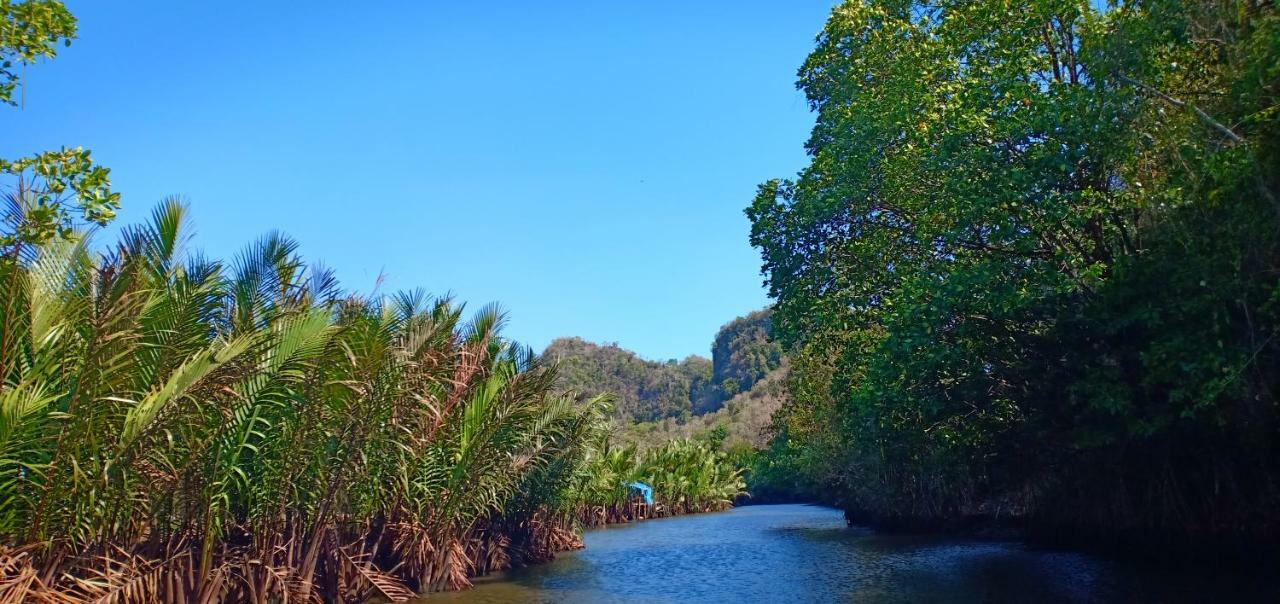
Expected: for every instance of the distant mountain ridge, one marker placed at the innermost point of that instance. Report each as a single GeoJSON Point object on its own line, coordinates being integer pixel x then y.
{"type": "Point", "coordinates": [648, 391]}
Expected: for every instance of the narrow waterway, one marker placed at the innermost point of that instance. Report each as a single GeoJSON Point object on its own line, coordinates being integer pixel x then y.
{"type": "Point", "coordinates": [799, 553]}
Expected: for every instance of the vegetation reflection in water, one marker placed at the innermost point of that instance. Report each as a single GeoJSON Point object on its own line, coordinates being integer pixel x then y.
{"type": "Point", "coordinates": [801, 553]}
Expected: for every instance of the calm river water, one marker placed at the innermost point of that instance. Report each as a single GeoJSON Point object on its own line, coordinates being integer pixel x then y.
{"type": "Point", "coordinates": [800, 553]}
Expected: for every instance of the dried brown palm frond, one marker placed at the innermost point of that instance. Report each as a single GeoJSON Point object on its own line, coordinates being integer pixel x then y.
{"type": "Point", "coordinates": [124, 578]}
{"type": "Point", "coordinates": [412, 545]}
{"type": "Point", "coordinates": [285, 585]}
{"type": "Point", "coordinates": [453, 568]}
{"type": "Point", "coordinates": [19, 580]}
{"type": "Point", "coordinates": [495, 553]}
{"type": "Point", "coordinates": [370, 581]}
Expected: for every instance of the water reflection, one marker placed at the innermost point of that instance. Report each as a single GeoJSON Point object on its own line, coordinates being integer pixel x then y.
{"type": "Point", "coordinates": [796, 553]}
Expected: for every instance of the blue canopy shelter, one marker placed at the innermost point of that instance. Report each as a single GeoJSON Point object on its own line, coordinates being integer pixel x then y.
{"type": "Point", "coordinates": [645, 490]}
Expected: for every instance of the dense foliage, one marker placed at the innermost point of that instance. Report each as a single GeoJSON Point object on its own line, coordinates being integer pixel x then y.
{"type": "Point", "coordinates": [1032, 267]}
{"type": "Point", "coordinates": [687, 476]}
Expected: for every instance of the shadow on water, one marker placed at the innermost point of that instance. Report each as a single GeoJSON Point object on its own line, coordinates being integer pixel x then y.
{"type": "Point", "coordinates": [801, 553]}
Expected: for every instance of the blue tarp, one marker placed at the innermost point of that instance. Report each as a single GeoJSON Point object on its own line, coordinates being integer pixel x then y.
{"type": "Point", "coordinates": [646, 491]}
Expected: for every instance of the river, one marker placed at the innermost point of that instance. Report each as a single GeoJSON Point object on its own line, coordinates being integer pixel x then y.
{"type": "Point", "coordinates": [800, 553]}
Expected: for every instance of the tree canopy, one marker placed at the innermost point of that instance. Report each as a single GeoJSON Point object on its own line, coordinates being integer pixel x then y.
{"type": "Point", "coordinates": [1034, 259]}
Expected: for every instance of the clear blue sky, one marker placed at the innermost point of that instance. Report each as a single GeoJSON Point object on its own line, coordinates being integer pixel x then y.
{"type": "Point", "coordinates": [585, 164]}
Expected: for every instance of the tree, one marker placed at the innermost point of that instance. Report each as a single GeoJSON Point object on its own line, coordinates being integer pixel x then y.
{"type": "Point", "coordinates": [1033, 236]}
{"type": "Point", "coordinates": [47, 192]}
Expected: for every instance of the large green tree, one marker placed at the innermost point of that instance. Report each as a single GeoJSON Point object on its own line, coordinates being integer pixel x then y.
{"type": "Point", "coordinates": [1033, 259]}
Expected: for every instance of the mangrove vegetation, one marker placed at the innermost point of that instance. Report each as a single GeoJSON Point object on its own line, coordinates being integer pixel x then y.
{"type": "Point", "coordinates": [182, 429]}
{"type": "Point", "coordinates": [1032, 270]}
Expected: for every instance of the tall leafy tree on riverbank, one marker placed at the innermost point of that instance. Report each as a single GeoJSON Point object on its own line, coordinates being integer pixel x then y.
{"type": "Point", "coordinates": [1032, 266]}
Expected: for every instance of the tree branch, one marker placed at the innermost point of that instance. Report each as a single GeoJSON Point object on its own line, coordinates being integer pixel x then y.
{"type": "Point", "coordinates": [1204, 117]}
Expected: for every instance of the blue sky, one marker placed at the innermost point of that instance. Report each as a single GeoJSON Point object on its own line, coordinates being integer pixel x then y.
{"type": "Point", "coordinates": [585, 164]}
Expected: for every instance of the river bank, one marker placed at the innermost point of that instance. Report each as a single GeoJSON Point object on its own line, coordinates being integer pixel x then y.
{"type": "Point", "coordinates": [1134, 545]}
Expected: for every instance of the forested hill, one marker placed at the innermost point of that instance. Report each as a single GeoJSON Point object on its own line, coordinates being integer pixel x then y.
{"type": "Point", "coordinates": [646, 390]}
{"type": "Point", "coordinates": [742, 355]}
